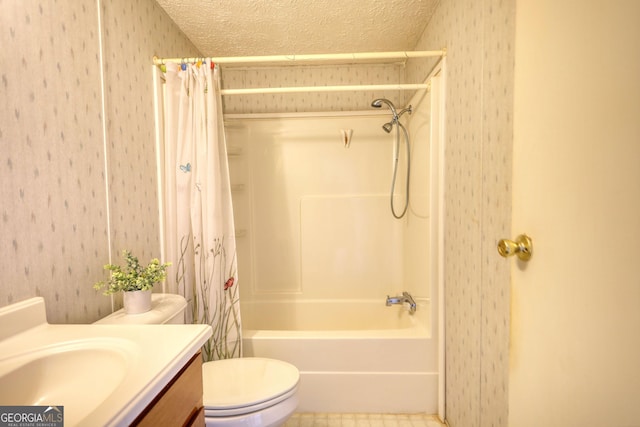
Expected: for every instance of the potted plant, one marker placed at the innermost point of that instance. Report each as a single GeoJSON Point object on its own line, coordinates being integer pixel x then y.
{"type": "Point", "coordinates": [135, 281]}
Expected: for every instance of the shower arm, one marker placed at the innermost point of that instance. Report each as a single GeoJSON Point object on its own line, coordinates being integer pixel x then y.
{"type": "Point", "coordinates": [409, 110]}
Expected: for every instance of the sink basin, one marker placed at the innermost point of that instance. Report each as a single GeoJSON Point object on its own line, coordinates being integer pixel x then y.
{"type": "Point", "coordinates": [79, 376]}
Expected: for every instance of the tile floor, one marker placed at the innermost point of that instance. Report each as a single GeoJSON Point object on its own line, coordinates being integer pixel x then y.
{"type": "Point", "coordinates": [362, 420]}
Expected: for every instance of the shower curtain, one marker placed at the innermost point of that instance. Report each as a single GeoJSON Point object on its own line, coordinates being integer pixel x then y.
{"type": "Point", "coordinates": [199, 230]}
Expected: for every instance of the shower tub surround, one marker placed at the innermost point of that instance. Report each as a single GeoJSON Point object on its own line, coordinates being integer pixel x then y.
{"type": "Point", "coordinates": [319, 251]}
{"type": "Point", "coordinates": [387, 353]}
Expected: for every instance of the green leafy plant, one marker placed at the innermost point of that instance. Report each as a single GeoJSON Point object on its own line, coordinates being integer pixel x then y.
{"type": "Point", "coordinates": [133, 277]}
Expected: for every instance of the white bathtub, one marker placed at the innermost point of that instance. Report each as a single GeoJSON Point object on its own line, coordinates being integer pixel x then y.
{"type": "Point", "coordinates": [353, 355]}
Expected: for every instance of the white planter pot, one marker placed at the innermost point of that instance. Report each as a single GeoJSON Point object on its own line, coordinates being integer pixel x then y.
{"type": "Point", "coordinates": [136, 302]}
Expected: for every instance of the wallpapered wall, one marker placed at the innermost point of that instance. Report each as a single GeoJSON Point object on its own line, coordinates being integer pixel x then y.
{"type": "Point", "coordinates": [479, 37]}
{"type": "Point", "coordinates": [54, 216]}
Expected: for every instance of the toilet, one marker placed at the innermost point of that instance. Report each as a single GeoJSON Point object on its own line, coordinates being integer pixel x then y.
{"type": "Point", "coordinates": [245, 392]}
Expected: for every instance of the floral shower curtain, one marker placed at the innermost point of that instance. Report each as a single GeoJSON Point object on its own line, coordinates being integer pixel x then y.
{"type": "Point", "coordinates": [199, 230]}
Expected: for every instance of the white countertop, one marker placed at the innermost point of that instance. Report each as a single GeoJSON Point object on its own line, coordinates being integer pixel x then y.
{"type": "Point", "coordinates": [107, 373]}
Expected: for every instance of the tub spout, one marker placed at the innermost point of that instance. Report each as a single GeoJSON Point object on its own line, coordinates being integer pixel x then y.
{"type": "Point", "coordinates": [393, 300]}
{"type": "Point", "coordinates": [405, 298]}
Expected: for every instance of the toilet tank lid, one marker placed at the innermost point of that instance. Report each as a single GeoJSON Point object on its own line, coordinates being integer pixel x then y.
{"type": "Point", "coordinates": [163, 308]}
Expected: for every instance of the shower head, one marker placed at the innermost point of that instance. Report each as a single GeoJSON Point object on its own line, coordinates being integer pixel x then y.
{"type": "Point", "coordinates": [388, 127]}
{"type": "Point", "coordinates": [377, 103]}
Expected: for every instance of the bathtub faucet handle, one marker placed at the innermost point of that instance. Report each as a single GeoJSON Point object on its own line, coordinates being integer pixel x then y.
{"type": "Point", "coordinates": [409, 300]}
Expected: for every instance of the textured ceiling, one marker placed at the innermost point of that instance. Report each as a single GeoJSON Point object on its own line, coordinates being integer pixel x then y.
{"type": "Point", "coordinates": [283, 27]}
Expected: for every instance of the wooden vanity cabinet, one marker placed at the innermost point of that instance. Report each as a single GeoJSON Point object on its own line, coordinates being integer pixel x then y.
{"type": "Point", "coordinates": [180, 402]}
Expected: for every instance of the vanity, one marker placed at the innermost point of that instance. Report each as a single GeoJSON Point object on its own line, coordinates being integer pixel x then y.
{"type": "Point", "coordinates": [180, 403]}
{"type": "Point", "coordinates": [107, 375]}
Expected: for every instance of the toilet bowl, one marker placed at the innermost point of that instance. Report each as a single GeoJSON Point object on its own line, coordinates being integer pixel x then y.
{"type": "Point", "coordinates": [245, 392]}
{"type": "Point", "coordinates": [249, 392]}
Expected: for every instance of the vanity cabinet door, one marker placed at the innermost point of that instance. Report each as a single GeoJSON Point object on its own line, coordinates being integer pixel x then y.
{"type": "Point", "coordinates": [180, 403]}
{"type": "Point", "coordinates": [198, 419]}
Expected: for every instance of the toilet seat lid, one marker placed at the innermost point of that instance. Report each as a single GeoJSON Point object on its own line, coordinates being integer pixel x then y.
{"type": "Point", "coordinates": [239, 383]}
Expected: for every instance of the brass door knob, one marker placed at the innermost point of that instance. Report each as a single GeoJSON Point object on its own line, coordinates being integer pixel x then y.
{"type": "Point", "coordinates": [522, 247]}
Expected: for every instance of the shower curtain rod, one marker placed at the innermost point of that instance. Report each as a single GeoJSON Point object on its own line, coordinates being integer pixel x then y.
{"type": "Point", "coordinates": [313, 57]}
{"type": "Point", "coordinates": [341, 88]}
{"type": "Point", "coordinates": [303, 58]}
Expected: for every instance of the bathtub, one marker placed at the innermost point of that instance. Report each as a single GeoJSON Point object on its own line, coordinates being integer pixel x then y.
{"type": "Point", "coordinates": [353, 355]}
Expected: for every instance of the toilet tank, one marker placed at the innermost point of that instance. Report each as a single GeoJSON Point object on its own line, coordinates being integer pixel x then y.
{"type": "Point", "coordinates": [165, 309]}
